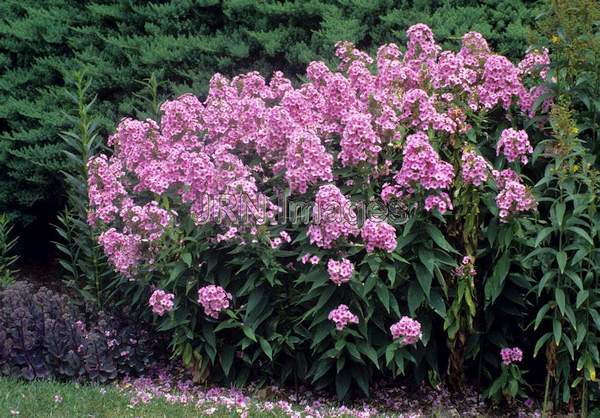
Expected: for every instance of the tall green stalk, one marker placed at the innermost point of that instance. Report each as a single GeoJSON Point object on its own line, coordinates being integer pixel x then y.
{"type": "Point", "coordinates": [7, 259]}
{"type": "Point", "coordinates": [83, 261]}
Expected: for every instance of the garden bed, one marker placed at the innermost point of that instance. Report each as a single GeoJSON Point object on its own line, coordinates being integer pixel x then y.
{"type": "Point", "coordinates": [163, 396]}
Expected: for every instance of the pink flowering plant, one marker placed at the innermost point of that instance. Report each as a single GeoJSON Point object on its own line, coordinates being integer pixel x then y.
{"type": "Point", "coordinates": [304, 231]}
{"type": "Point", "coordinates": [510, 384]}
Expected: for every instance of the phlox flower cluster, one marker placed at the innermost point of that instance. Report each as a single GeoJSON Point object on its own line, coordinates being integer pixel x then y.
{"type": "Point", "coordinates": [221, 161]}
{"type": "Point", "coordinates": [475, 169]}
{"type": "Point", "coordinates": [378, 234]}
{"type": "Point", "coordinates": [307, 258]}
{"type": "Point", "coordinates": [134, 140]}
{"type": "Point", "coordinates": [501, 83]}
{"type": "Point", "coordinates": [407, 330]}
{"type": "Point", "coordinates": [418, 108]}
{"type": "Point", "coordinates": [122, 250]}
{"type": "Point", "coordinates": [359, 141]}
{"type": "Point", "coordinates": [307, 161]}
{"type": "Point", "coordinates": [475, 49]}
{"type": "Point", "coordinates": [511, 355]}
{"type": "Point", "coordinates": [392, 191]}
{"type": "Point", "coordinates": [513, 197]}
{"type": "Point", "coordinates": [440, 202]}
{"type": "Point", "coordinates": [465, 267]}
{"type": "Point", "coordinates": [340, 271]}
{"type": "Point", "coordinates": [105, 188]}
{"type": "Point", "coordinates": [536, 62]}
{"type": "Point", "coordinates": [502, 178]}
{"type": "Point", "coordinates": [422, 166]}
{"type": "Point", "coordinates": [333, 217]}
{"type": "Point", "coordinates": [421, 45]}
{"type": "Point", "coordinates": [514, 145]}
{"type": "Point", "coordinates": [347, 53]}
{"type": "Point", "coordinates": [341, 317]}
{"type": "Point", "coordinates": [283, 237]}
{"type": "Point", "coordinates": [230, 234]}
{"type": "Point", "coordinates": [148, 221]}
{"type": "Point", "coordinates": [534, 70]}
{"type": "Point", "coordinates": [182, 119]}
{"type": "Point", "coordinates": [161, 302]}
{"type": "Point", "coordinates": [213, 299]}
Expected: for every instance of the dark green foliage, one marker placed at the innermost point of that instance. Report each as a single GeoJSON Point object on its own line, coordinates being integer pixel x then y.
{"type": "Point", "coordinates": [42, 335]}
{"type": "Point", "coordinates": [572, 28]}
{"type": "Point", "coordinates": [566, 260]}
{"type": "Point", "coordinates": [184, 43]}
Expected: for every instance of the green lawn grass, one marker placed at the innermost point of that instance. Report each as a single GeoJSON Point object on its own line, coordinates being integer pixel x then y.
{"type": "Point", "coordinates": [37, 400]}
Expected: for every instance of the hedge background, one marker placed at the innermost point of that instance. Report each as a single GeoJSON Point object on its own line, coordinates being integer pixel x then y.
{"type": "Point", "coordinates": [182, 42]}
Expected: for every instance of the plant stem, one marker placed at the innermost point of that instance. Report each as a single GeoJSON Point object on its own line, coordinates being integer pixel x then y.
{"type": "Point", "coordinates": [546, 395]}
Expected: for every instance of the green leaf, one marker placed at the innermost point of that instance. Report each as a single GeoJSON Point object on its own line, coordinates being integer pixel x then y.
{"type": "Point", "coordinates": [438, 305]}
{"type": "Point", "coordinates": [187, 354]}
{"type": "Point", "coordinates": [582, 234]}
{"type": "Point", "coordinates": [582, 296]}
{"type": "Point", "coordinates": [570, 314]}
{"type": "Point", "coordinates": [176, 271]}
{"type": "Point", "coordinates": [322, 331]}
{"type": "Point", "coordinates": [408, 226]}
{"type": "Point", "coordinates": [254, 306]}
{"type": "Point", "coordinates": [230, 323]}
{"type": "Point", "coordinates": [361, 378]}
{"type": "Point", "coordinates": [391, 273]}
{"type": "Point", "coordinates": [495, 283]}
{"type": "Point", "coordinates": [266, 347]}
{"type": "Point", "coordinates": [370, 352]}
{"type": "Point", "coordinates": [187, 259]}
{"type": "Point", "coordinates": [559, 295]}
{"type": "Point", "coordinates": [424, 277]}
{"type": "Point", "coordinates": [540, 315]}
{"type": "Point", "coordinates": [209, 335]}
{"type": "Point", "coordinates": [575, 279]}
{"type": "Point", "coordinates": [581, 333]}
{"type": "Point", "coordinates": [323, 367]}
{"type": "Point", "coordinates": [374, 263]}
{"type": "Point", "coordinates": [383, 295]}
{"type": "Point", "coordinates": [540, 343]}
{"type": "Point", "coordinates": [542, 235]}
{"type": "Point", "coordinates": [415, 298]}
{"type": "Point", "coordinates": [390, 352]}
{"type": "Point", "coordinates": [226, 358]}
{"type": "Point", "coordinates": [342, 384]}
{"type": "Point", "coordinates": [323, 299]}
{"type": "Point", "coordinates": [559, 211]}
{"type": "Point", "coordinates": [556, 331]}
{"type": "Point", "coordinates": [561, 259]}
{"type": "Point", "coordinates": [354, 352]}
{"type": "Point", "coordinates": [595, 316]}
{"type": "Point", "coordinates": [249, 332]}
{"type": "Point", "coordinates": [569, 346]}
{"type": "Point", "coordinates": [171, 323]}
{"type": "Point", "coordinates": [370, 283]}
{"type": "Point", "coordinates": [340, 363]}
{"type": "Point", "coordinates": [513, 388]}
{"type": "Point", "coordinates": [427, 258]}
{"type": "Point", "coordinates": [437, 237]}
{"type": "Point", "coordinates": [550, 274]}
